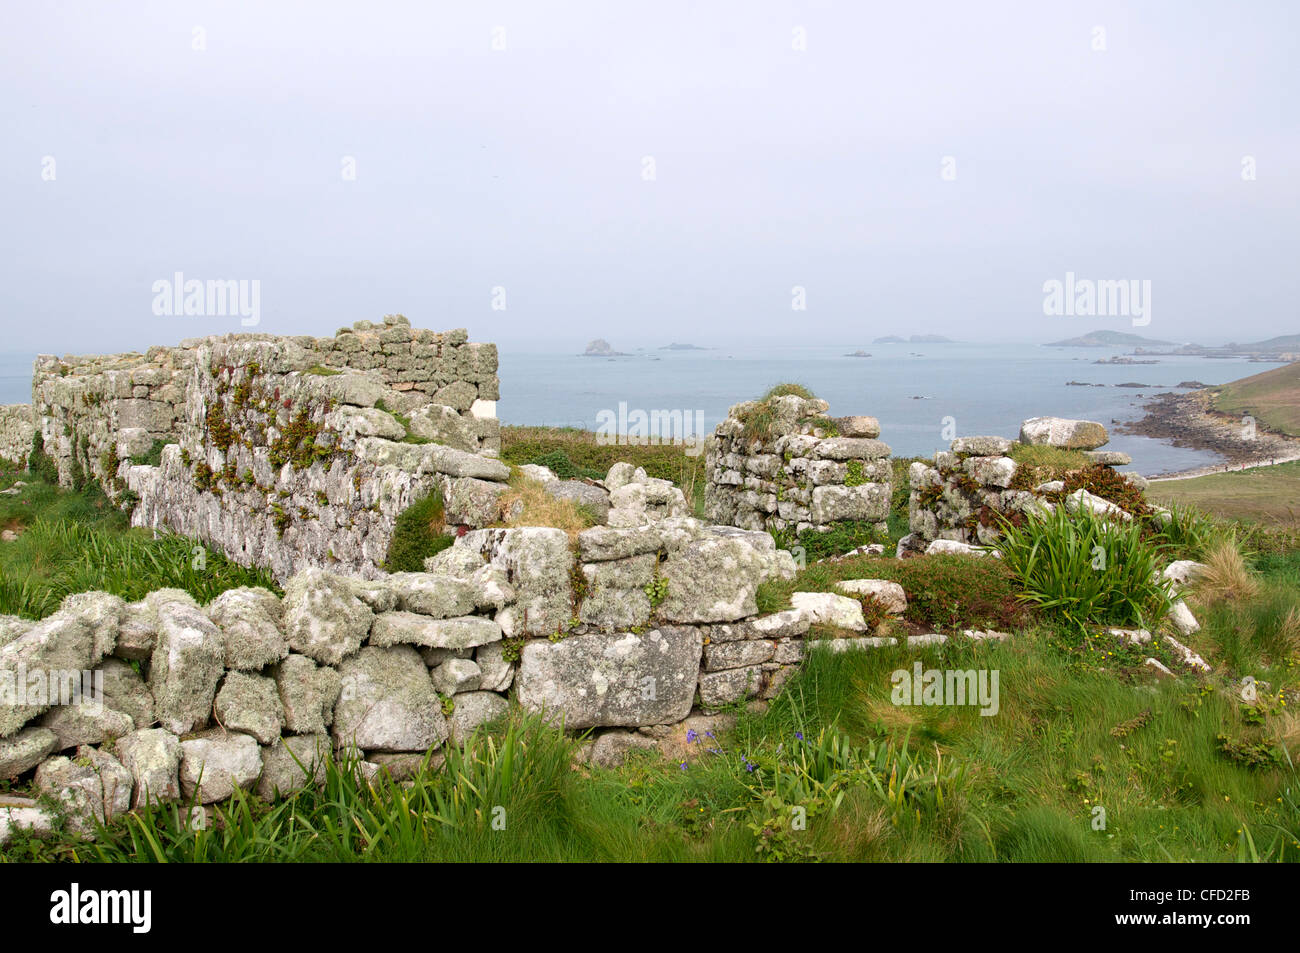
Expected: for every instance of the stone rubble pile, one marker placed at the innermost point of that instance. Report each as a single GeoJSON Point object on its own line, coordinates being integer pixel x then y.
{"type": "Point", "coordinates": [954, 503]}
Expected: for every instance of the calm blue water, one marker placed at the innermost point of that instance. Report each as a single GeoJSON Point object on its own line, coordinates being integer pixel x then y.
{"type": "Point", "coordinates": [986, 388]}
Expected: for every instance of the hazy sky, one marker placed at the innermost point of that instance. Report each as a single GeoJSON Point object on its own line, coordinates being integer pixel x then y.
{"type": "Point", "coordinates": [524, 167]}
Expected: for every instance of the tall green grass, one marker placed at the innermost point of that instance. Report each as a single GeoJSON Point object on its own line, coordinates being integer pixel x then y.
{"type": "Point", "coordinates": [1087, 570]}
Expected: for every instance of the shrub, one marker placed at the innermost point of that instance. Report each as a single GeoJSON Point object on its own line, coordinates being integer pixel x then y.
{"type": "Point", "coordinates": [418, 533]}
{"type": "Point", "coordinates": [841, 538]}
{"type": "Point", "coordinates": [40, 463]}
{"type": "Point", "coordinates": [1088, 569]}
{"type": "Point", "coordinates": [558, 462]}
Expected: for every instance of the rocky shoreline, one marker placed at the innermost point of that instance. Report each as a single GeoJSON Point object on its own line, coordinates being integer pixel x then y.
{"type": "Point", "coordinates": [1187, 420]}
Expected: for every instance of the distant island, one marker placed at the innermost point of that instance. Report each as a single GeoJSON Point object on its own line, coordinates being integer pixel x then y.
{"type": "Point", "coordinates": [1284, 347]}
{"type": "Point", "coordinates": [914, 339]}
{"type": "Point", "coordinates": [1107, 339]}
{"type": "Point", "coordinates": [684, 347]}
{"type": "Point", "coordinates": [601, 348]}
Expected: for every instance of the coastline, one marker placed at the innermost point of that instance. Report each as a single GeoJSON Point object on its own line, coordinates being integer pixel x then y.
{"type": "Point", "coordinates": [1187, 420]}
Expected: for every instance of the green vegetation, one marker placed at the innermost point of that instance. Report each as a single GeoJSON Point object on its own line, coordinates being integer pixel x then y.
{"type": "Point", "coordinates": [402, 419]}
{"type": "Point", "coordinates": [1041, 464]}
{"type": "Point", "coordinates": [574, 454]}
{"type": "Point", "coordinates": [1265, 495]}
{"type": "Point", "coordinates": [1090, 570]}
{"type": "Point", "coordinates": [70, 542]}
{"type": "Point", "coordinates": [944, 592]}
{"type": "Point", "coordinates": [418, 533]}
{"type": "Point", "coordinates": [1272, 398]}
{"type": "Point", "coordinates": [759, 417]}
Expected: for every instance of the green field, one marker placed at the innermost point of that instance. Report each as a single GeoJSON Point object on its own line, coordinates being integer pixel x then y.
{"type": "Point", "coordinates": [1266, 495]}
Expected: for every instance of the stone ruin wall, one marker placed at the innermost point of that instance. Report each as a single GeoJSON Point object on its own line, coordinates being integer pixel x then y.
{"type": "Point", "coordinates": [386, 669]}
{"type": "Point", "coordinates": [282, 452]}
{"type": "Point", "coordinates": [805, 470]}
{"type": "Point", "coordinates": [16, 430]}
{"type": "Point", "coordinates": [960, 496]}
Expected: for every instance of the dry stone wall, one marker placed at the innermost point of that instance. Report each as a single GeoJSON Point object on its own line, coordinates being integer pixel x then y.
{"type": "Point", "coordinates": [785, 464]}
{"type": "Point", "coordinates": [195, 701]}
{"type": "Point", "coordinates": [282, 452]}
{"type": "Point", "coordinates": [16, 430]}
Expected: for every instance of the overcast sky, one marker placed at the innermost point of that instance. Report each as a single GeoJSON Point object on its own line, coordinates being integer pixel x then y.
{"type": "Point", "coordinates": [524, 168]}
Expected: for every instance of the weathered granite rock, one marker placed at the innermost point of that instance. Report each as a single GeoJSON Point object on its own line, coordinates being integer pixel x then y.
{"type": "Point", "coordinates": [434, 594]}
{"type": "Point", "coordinates": [456, 675]}
{"type": "Point", "coordinates": [713, 580]}
{"type": "Point", "coordinates": [991, 471]}
{"type": "Point", "coordinates": [251, 704]}
{"type": "Point", "coordinates": [90, 790]}
{"type": "Point", "coordinates": [594, 498]}
{"type": "Point", "coordinates": [831, 503]}
{"type": "Point", "coordinates": [125, 691]}
{"type": "Point", "coordinates": [308, 693]}
{"type": "Point", "coordinates": [981, 446]}
{"type": "Point", "coordinates": [215, 762]}
{"type": "Point", "coordinates": [628, 679]}
{"type": "Point", "coordinates": [25, 750]}
{"type": "Point", "coordinates": [1184, 572]}
{"type": "Point", "coordinates": [89, 723]}
{"type": "Point", "coordinates": [63, 642]}
{"type": "Point", "coordinates": [537, 561]}
{"type": "Point", "coordinates": [188, 660]}
{"type": "Point", "coordinates": [323, 618]}
{"type": "Point", "coordinates": [954, 547]}
{"type": "Point", "coordinates": [540, 474]}
{"type": "Point", "coordinates": [102, 612]}
{"type": "Point", "coordinates": [153, 756]}
{"type": "Point", "coordinates": [612, 748]}
{"type": "Point", "coordinates": [472, 709]}
{"type": "Point", "coordinates": [292, 763]}
{"type": "Point", "coordinates": [498, 674]}
{"type": "Point", "coordinates": [889, 594]}
{"type": "Point", "coordinates": [1182, 619]}
{"type": "Point", "coordinates": [724, 688]}
{"type": "Point", "coordinates": [28, 817]}
{"type": "Point", "coordinates": [1083, 500]}
{"type": "Point", "coordinates": [387, 702]}
{"type": "Point", "coordinates": [1062, 432]}
{"type": "Point", "coordinates": [739, 654]}
{"type": "Point", "coordinates": [826, 608]}
{"type": "Point", "coordinates": [472, 502]}
{"type": "Point", "coordinates": [411, 628]}
{"type": "Point", "coordinates": [249, 620]}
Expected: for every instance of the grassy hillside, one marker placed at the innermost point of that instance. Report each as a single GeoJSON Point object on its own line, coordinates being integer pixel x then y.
{"type": "Point", "coordinates": [1272, 398]}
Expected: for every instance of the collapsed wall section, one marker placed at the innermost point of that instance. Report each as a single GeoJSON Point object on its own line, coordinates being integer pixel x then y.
{"type": "Point", "coordinates": [784, 464]}
{"type": "Point", "coordinates": [974, 486]}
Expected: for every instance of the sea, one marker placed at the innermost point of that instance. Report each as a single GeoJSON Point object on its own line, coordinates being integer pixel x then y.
{"type": "Point", "coordinates": [923, 394]}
